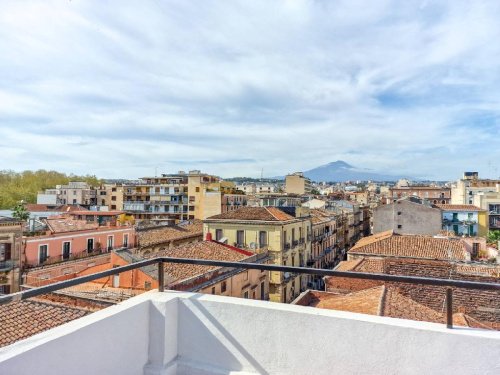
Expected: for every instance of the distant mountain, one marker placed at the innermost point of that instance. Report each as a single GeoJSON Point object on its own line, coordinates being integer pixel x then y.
{"type": "Point", "coordinates": [339, 171]}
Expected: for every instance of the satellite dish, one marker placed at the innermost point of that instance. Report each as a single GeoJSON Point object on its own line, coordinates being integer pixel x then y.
{"type": "Point", "coordinates": [253, 245]}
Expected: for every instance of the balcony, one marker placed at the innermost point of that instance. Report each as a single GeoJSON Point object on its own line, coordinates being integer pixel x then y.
{"type": "Point", "coordinates": [188, 333]}
{"type": "Point", "coordinates": [286, 246]}
{"type": "Point", "coordinates": [7, 265]}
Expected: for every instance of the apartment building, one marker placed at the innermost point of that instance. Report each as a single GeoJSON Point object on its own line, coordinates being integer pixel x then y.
{"type": "Point", "coordinates": [490, 202]}
{"type": "Point", "coordinates": [11, 231]}
{"type": "Point", "coordinates": [177, 197]}
{"type": "Point", "coordinates": [324, 250]}
{"type": "Point", "coordinates": [433, 194]}
{"type": "Point", "coordinates": [407, 216]}
{"type": "Point", "coordinates": [297, 183]}
{"type": "Point", "coordinates": [72, 237]}
{"type": "Point", "coordinates": [110, 197]}
{"type": "Point", "coordinates": [464, 190]}
{"type": "Point", "coordinates": [287, 238]}
{"type": "Point", "coordinates": [75, 193]}
{"type": "Point", "coordinates": [464, 219]}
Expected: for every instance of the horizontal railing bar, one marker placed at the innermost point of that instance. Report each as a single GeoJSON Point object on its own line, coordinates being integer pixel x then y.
{"type": "Point", "coordinates": [72, 282]}
{"type": "Point", "coordinates": [259, 266]}
{"type": "Point", "coordinates": [349, 274]}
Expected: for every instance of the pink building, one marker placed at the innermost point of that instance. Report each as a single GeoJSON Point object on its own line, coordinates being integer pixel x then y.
{"type": "Point", "coordinates": [69, 238]}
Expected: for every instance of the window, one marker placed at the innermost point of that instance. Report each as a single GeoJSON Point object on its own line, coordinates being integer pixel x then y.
{"type": "Point", "coordinates": [262, 238]}
{"type": "Point", "coordinates": [125, 240]}
{"type": "Point", "coordinates": [147, 285]}
{"type": "Point", "coordinates": [400, 226]}
{"type": "Point", "coordinates": [90, 245]}
{"type": "Point", "coordinates": [399, 212]}
{"type": "Point", "coordinates": [475, 249]}
{"type": "Point", "coordinates": [293, 261]}
{"type": "Point", "coordinates": [223, 287]}
{"type": "Point", "coordinates": [110, 243]}
{"type": "Point", "coordinates": [293, 234]}
{"type": "Point", "coordinates": [5, 251]}
{"type": "Point", "coordinates": [218, 234]}
{"type": "Point", "coordinates": [113, 198]}
{"type": "Point", "coordinates": [43, 253]}
{"type": "Point", "coordinates": [74, 192]}
{"type": "Point", "coordinates": [262, 291]}
{"type": "Point", "coordinates": [197, 189]}
{"type": "Point", "coordinates": [66, 252]}
{"type": "Point", "coordinates": [240, 237]}
{"type": "Point", "coordinates": [245, 295]}
{"type": "Point", "coordinates": [74, 201]}
{"type": "Point", "coordinates": [213, 290]}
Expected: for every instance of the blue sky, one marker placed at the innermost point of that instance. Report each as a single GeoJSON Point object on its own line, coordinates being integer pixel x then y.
{"type": "Point", "coordinates": [119, 88]}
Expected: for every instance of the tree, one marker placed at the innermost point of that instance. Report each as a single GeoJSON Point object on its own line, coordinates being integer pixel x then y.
{"type": "Point", "coordinates": [493, 236]}
{"type": "Point", "coordinates": [20, 212]}
{"type": "Point", "coordinates": [315, 192]}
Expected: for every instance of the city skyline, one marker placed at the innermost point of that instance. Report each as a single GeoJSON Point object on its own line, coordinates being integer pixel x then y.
{"type": "Point", "coordinates": [123, 90]}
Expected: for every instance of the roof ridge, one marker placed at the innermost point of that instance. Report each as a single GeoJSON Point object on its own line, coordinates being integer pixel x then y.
{"type": "Point", "coordinates": [381, 306]}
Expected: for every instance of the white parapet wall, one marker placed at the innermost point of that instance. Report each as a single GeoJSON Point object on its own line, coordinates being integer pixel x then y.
{"type": "Point", "coordinates": [188, 333]}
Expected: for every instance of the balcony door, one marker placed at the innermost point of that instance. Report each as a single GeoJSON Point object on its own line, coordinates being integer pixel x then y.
{"type": "Point", "coordinates": [43, 253]}
{"type": "Point", "coordinates": [90, 245]}
{"type": "Point", "coordinates": [66, 250]}
{"type": "Point", "coordinates": [110, 243]}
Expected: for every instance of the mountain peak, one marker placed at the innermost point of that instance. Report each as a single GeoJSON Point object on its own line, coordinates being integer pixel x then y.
{"type": "Point", "coordinates": [340, 170]}
{"type": "Point", "coordinates": [340, 164]}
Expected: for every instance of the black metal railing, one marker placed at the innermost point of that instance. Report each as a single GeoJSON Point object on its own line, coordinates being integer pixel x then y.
{"type": "Point", "coordinates": [448, 283]}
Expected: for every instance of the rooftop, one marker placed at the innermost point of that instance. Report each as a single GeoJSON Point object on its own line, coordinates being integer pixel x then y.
{"type": "Point", "coordinates": [64, 224]}
{"type": "Point", "coordinates": [414, 246]}
{"type": "Point", "coordinates": [165, 233]}
{"type": "Point", "coordinates": [254, 214]}
{"type": "Point", "coordinates": [210, 250]}
{"type": "Point", "coordinates": [23, 319]}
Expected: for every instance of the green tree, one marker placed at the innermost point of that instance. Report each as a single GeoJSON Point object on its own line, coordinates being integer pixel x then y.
{"type": "Point", "coordinates": [493, 236]}
{"type": "Point", "coordinates": [20, 212]}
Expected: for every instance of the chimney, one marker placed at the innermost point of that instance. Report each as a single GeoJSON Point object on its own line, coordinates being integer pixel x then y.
{"type": "Point", "coordinates": [208, 236]}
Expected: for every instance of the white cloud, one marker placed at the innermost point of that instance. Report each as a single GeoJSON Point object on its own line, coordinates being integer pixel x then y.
{"type": "Point", "coordinates": [119, 88]}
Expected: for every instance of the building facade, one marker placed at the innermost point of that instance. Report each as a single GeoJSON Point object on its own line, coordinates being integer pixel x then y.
{"type": "Point", "coordinates": [433, 194]}
{"type": "Point", "coordinates": [11, 231]}
{"type": "Point", "coordinates": [407, 216]}
{"type": "Point", "coordinates": [297, 183]}
{"type": "Point", "coordinates": [286, 238]}
{"type": "Point", "coordinates": [464, 219]}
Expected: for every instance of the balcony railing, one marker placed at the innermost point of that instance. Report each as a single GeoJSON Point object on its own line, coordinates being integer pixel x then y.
{"type": "Point", "coordinates": [7, 264]}
{"type": "Point", "coordinates": [160, 261]}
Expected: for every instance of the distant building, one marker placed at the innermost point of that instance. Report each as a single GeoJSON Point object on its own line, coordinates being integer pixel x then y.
{"type": "Point", "coordinates": [464, 190]}
{"type": "Point", "coordinates": [464, 219]}
{"type": "Point", "coordinates": [297, 183]}
{"type": "Point", "coordinates": [490, 202]}
{"type": "Point", "coordinates": [75, 193]}
{"type": "Point", "coordinates": [407, 216]}
{"type": "Point", "coordinates": [433, 194]}
{"type": "Point", "coordinates": [11, 231]}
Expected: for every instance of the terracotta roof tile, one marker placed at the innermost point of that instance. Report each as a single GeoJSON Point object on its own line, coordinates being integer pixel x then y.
{"type": "Point", "coordinates": [412, 246]}
{"type": "Point", "coordinates": [254, 214]}
{"type": "Point", "coordinates": [200, 250]}
{"type": "Point", "coordinates": [19, 320]}
{"type": "Point", "coordinates": [170, 233]}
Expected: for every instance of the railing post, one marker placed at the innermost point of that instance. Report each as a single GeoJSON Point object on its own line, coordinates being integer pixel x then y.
{"type": "Point", "coordinates": [449, 308]}
{"type": "Point", "coordinates": [161, 276]}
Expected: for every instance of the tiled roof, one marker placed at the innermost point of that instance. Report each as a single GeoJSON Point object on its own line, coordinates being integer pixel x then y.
{"type": "Point", "coordinates": [478, 270]}
{"type": "Point", "coordinates": [201, 250]}
{"type": "Point", "coordinates": [379, 300]}
{"type": "Point", "coordinates": [458, 207]}
{"type": "Point", "coordinates": [320, 215]}
{"type": "Point", "coordinates": [34, 207]}
{"type": "Point", "coordinates": [60, 225]}
{"type": "Point", "coordinates": [170, 233]}
{"type": "Point", "coordinates": [411, 246]}
{"type": "Point", "coordinates": [19, 320]}
{"type": "Point", "coordinates": [254, 214]}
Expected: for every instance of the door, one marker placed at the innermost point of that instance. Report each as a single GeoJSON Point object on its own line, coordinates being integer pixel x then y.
{"type": "Point", "coordinates": [66, 250]}
{"type": "Point", "coordinates": [125, 240]}
{"type": "Point", "coordinates": [90, 245]}
{"type": "Point", "coordinates": [43, 254]}
{"type": "Point", "coordinates": [110, 243]}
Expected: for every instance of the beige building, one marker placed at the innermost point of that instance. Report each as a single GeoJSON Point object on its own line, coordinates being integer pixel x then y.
{"type": "Point", "coordinates": [296, 183]}
{"type": "Point", "coordinates": [177, 197]}
{"type": "Point", "coordinates": [11, 231]}
{"type": "Point", "coordinates": [260, 229]}
{"type": "Point", "coordinates": [110, 197]}
{"type": "Point", "coordinates": [490, 202]}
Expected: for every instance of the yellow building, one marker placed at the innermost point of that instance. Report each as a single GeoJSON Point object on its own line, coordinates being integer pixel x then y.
{"type": "Point", "coordinates": [259, 229]}
{"type": "Point", "coordinates": [296, 183]}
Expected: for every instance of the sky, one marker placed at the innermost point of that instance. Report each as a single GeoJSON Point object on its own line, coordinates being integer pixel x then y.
{"type": "Point", "coordinates": [126, 89]}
